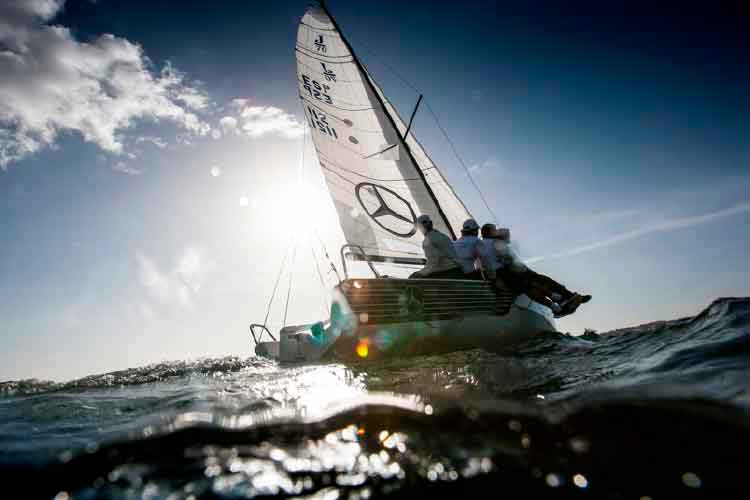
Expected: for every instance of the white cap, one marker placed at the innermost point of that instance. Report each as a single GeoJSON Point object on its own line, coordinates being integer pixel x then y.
{"type": "Point", "coordinates": [470, 225]}
{"type": "Point", "coordinates": [423, 219]}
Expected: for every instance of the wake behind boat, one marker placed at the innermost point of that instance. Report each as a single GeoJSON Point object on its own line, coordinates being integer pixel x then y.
{"type": "Point", "coordinates": [380, 177]}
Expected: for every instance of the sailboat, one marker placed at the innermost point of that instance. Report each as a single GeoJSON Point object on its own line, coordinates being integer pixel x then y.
{"type": "Point", "coordinates": [380, 179]}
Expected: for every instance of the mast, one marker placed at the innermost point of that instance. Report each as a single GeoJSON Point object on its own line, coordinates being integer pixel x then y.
{"type": "Point", "coordinates": [402, 140]}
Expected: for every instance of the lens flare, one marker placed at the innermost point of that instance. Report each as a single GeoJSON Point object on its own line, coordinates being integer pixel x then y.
{"type": "Point", "coordinates": [363, 348]}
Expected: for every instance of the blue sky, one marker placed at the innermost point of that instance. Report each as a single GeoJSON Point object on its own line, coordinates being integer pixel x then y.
{"type": "Point", "coordinates": [148, 156]}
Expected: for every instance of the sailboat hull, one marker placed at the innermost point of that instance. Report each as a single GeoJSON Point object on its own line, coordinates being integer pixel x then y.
{"type": "Point", "coordinates": [524, 320]}
{"type": "Point", "coordinates": [391, 318]}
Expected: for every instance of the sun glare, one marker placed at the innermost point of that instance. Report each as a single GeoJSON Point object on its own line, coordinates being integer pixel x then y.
{"type": "Point", "coordinates": [292, 205]}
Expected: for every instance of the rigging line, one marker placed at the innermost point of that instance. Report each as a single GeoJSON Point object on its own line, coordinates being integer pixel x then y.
{"type": "Point", "coordinates": [305, 128]}
{"type": "Point", "coordinates": [389, 67]}
{"type": "Point", "coordinates": [328, 257]}
{"type": "Point", "coordinates": [300, 174]}
{"type": "Point", "coordinates": [437, 121]}
{"type": "Point", "coordinates": [291, 280]}
{"type": "Point", "coordinates": [314, 224]}
{"type": "Point", "coordinates": [276, 285]}
{"type": "Point", "coordinates": [461, 161]}
{"type": "Point", "coordinates": [326, 307]}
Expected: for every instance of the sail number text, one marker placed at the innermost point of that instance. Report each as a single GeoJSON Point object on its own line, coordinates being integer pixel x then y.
{"type": "Point", "coordinates": [319, 121]}
{"type": "Point", "coordinates": [316, 90]}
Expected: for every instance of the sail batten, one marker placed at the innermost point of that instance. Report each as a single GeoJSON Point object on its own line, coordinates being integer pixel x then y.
{"type": "Point", "coordinates": [378, 175]}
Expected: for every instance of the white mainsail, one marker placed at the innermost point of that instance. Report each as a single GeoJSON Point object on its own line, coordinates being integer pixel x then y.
{"type": "Point", "coordinates": [378, 186]}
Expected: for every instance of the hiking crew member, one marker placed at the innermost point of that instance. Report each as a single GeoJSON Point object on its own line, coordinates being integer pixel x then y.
{"type": "Point", "coordinates": [442, 261]}
{"type": "Point", "coordinates": [475, 256]}
{"type": "Point", "coordinates": [517, 277]}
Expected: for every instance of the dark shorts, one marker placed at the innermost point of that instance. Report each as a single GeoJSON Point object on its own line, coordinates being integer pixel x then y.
{"type": "Point", "coordinates": [521, 282]}
{"type": "Point", "coordinates": [513, 281]}
{"type": "Point", "coordinates": [474, 275]}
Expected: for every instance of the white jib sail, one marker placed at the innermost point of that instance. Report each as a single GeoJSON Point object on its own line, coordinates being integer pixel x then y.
{"type": "Point", "coordinates": [378, 187]}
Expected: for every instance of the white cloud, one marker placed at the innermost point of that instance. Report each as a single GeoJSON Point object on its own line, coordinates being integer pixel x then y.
{"type": "Point", "coordinates": [124, 168]}
{"type": "Point", "coordinates": [258, 121]}
{"type": "Point", "coordinates": [193, 267]}
{"type": "Point", "coordinates": [478, 167]}
{"type": "Point", "coordinates": [229, 125]}
{"type": "Point", "coordinates": [239, 103]}
{"type": "Point", "coordinates": [155, 282]}
{"type": "Point", "coordinates": [51, 82]}
{"type": "Point", "coordinates": [180, 286]}
{"type": "Point", "coordinates": [192, 97]}
{"type": "Point", "coordinates": [139, 311]}
{"type": "Point", "coordinates": [657, 227]}
{"type": "Point", "coordinates": [156, 141]}
{"type": "Point", "coordinates": [605, 217]}
{"type": "Point", "coordinates": [261, 120]}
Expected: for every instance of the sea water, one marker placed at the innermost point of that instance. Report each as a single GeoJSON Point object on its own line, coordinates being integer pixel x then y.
{"type": "Point", "coordinates": [659, 411]}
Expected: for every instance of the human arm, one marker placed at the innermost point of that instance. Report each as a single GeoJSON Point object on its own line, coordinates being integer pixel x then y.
{"type": "Point", "coordinates": [430, 258]}
{"type": "Point", "coordinates": [486, 255]}
{"type": "Point", "coordinates": [446, 255]}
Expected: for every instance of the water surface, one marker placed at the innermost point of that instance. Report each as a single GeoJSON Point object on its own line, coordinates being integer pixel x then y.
{"type": "Point", "coordinates": [659, 411]}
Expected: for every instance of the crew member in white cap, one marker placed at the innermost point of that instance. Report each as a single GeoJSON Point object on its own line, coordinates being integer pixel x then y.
{"type": "Point", "coordinates": [442, 261]}
{"type": "Point", "coordinates": [477, 257]}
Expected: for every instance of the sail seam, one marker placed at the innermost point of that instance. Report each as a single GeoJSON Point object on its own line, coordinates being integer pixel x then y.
{"type": "Point", "coordinates": [317, 56]}
{"type": "Point", "coordinates": [405, 179]}
{"type": "Point", "coordinates": [358, 129]}
{"type": "Point", "coordinates": [315, 28]}
{"type": "Point", "coordinates": [354, 183]}
{"type": "Point", "coordinates": [307, 99]}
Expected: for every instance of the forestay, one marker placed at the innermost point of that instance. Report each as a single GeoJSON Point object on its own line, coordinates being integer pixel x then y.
{"type": "Point", "coordinates": [378, 186]}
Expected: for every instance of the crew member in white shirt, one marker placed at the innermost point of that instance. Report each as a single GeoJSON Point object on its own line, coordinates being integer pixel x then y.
{"type": "Point", "coordinates": [442, 262]}
{"type": "Point", "coordinates": [475, 256]}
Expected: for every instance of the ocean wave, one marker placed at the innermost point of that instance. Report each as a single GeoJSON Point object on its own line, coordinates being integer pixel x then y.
{"type": "Point", "coordinates": [622, 448]}
{"type": "Point", "coordinates": [648, 411]}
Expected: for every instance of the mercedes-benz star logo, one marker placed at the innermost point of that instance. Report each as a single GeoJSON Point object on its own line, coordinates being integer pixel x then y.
{"type": "Point", "coordinates": [384, 209]}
